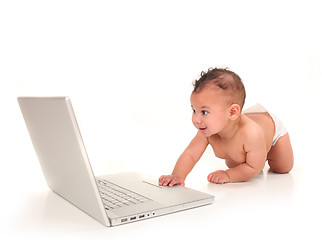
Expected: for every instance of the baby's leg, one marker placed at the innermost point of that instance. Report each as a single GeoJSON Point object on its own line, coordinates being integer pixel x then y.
{"type": "Point", "coordinates": [280, 157]}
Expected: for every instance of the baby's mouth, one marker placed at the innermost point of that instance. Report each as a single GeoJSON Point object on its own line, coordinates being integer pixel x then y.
{"type": "Point", "coordinates": [202, 129]}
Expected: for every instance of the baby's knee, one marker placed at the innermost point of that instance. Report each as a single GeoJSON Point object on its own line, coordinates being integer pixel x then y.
{"type": "Point", "coordinates": [285, 168]}
{"type": "Point", "coordinates": [282, 171]}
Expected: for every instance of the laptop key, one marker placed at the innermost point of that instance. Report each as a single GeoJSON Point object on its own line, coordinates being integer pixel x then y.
{"type": "Point", "coordinates": [115, 197]}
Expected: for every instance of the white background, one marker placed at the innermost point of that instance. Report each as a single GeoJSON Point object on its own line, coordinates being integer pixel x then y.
{"type": "Point", "coordinates": [128, 67]}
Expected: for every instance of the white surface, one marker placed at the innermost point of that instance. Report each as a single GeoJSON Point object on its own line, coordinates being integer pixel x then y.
{"type": "Point", "coordinates": [135, 61]}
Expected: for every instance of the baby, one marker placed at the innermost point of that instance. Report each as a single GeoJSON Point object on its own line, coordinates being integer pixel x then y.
{"type": "Point", "coordinates": [244, 139]}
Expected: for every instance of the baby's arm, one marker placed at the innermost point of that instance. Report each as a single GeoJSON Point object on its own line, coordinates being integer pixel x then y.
{"type": "Point", "coordinates": [186, 161]}
{"type": "Point", "coordinates": [255, 148]}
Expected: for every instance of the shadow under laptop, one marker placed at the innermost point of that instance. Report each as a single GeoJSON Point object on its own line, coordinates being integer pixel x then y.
{"type": "Point", "coordinates": [59, 213]}
{"type": "Point", "coordinates": [48, 212]}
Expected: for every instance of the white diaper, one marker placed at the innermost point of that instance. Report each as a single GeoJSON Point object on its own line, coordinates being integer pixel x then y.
{"type": "Point", "coordinates": [280, 129]}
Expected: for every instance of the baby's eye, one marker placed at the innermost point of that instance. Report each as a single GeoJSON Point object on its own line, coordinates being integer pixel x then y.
{"type": "Point", "coordinates": [204, 112]}
{"type": "Point", "coordinates": [194, 111]}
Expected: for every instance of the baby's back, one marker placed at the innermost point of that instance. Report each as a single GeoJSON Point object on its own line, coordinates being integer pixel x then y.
{"type": "Point", "coordinates": [265, 121]}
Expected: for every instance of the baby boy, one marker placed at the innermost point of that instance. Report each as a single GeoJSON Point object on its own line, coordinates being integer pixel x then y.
{"type": "Point", "coordinates": [244, 139]}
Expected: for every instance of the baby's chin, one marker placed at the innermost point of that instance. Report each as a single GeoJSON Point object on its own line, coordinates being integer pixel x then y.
{"type": "Point", "coordinates": [209, 135]}
{"type": "Point", "coordinates": [206, 132]}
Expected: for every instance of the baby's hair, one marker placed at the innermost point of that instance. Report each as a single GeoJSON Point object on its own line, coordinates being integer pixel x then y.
{"type": "Point", "coordinates": [225, 80]}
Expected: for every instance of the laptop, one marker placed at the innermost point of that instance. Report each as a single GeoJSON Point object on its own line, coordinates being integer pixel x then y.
{"type": "Point", "coordinates": [111, 199]}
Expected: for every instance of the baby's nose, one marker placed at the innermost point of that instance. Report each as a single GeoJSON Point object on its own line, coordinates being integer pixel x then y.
{"type": "Point", "coordinates": [197, 119]}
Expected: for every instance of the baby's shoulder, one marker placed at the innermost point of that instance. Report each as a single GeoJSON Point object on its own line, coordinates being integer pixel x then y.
{"type": "Point", "coordinates": [250, 128]}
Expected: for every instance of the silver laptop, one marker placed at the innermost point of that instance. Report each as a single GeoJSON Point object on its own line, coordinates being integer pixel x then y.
{"type": "Point", "coordinates": [111, 199]}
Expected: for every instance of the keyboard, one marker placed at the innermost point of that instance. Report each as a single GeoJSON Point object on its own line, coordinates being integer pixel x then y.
{"type": "Point", "coordinates": [114, 196]}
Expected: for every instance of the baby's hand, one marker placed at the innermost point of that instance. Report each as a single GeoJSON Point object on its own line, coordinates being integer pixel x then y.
{"type": "Point", "coordinates": [219, 177]}
{"type": "Point", "coordinates": [170, 180]}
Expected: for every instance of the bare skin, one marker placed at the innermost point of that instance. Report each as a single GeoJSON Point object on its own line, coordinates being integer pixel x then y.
{"type": "Point", "coordinates": [244, 141]}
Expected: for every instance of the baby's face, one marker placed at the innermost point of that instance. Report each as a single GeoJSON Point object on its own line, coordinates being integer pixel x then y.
{"type": "Point", "coordinates": [210, 113]}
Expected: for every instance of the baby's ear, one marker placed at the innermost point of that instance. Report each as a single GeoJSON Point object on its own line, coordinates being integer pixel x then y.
{"type": "Point", "coordinates": [234, 111]}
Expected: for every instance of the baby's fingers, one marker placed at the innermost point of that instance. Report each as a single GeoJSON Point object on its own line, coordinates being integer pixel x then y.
{"type": "Point", "coordinates": [220, 180]}
{"type": "Point", "coordinates": [170, 180]}
{"type": "Point", "coordinates": [211, 177]}
{"type": "Point", "coordinates": [165, 180]}
{"type": "Point", "coordinates": [215, 179]}
{"type": "Point", "coordinates": [162, 180]}
{"type": "Point", "coordinates": [176, 181]}
{"type": "Point", "coordinates": [173, 182]}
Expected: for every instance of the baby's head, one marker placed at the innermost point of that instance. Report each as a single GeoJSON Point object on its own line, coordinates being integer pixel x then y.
{"type": "Point", "coordinates": [225, 82]}
{"type": "Point", "coordinates": [217, 100]}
